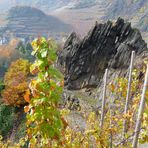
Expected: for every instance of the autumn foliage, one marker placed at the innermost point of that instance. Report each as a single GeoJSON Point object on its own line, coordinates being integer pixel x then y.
{"type": "Point", "coordinates": [16, 83]}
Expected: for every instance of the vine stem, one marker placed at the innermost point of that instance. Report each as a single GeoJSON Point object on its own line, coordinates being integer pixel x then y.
{"type": "Point", "coordinates": [126, 139]}
{"type": "Point", "coordinates": [140, 111]}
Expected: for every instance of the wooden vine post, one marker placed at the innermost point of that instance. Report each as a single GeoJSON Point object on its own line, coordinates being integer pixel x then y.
{"type": "Point", "coordinates": [128, 93]}
{"type": "Point", "coordinates": [111, 115]}
{"type": "Point", "coordinates": [103, 99]}
{"type": "Point", "coordinates": [140, 112]}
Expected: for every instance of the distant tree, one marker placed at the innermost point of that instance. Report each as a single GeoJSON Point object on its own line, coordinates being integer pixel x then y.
{"type": "Point", "coordinates": [25, 50]}
{"type": "Point", "coordinates": [8, 53]}
{"type": "Point", "coordinates": [16, 83]}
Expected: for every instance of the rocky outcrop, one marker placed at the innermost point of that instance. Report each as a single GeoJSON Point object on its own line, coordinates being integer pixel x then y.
{"type": "Point", "coordinates": [107, 45]}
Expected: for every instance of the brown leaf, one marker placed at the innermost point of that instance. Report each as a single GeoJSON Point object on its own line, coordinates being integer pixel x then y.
{"type": "Point", "coordinates": [27, 96]}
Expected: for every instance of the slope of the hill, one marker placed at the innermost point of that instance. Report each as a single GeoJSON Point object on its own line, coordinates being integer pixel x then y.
{"type": "Point", "coordinates": [143, 23]}
{"type": "Point", "coordinates": [125, 7]}
{"type": "Point", "coordinates": [24, 21]}
{"type": "Point", "coordinates": [135, 11]}
{"type": "Point", "coordinates": [82, 15]}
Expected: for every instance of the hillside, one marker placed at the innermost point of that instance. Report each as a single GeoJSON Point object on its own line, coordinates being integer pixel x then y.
{"type": "Point", "coordinates": [124, 8]}
{"type": "Point", "coordinates": [24, 21]}
{"type": "Point", "coordinates": [143, 23]}
{"type": "Point", "coordinates": [83, 14]}
{"type": "Point", "coordinates": [130, 10]}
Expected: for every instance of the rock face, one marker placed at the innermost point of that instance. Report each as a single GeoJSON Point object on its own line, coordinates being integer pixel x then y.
{"type": "Point", "coordinates": [107, 45]}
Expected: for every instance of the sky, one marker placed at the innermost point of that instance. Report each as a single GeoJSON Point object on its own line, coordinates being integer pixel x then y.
{"type": "Point", "coordinates": [5, 4]}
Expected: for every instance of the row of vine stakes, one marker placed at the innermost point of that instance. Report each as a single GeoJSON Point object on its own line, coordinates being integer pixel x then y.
{"type": "Point", "coordinates": [141, 107]}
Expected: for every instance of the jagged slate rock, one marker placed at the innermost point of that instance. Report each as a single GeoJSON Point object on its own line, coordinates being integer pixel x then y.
{"type": "Point", "coordinates": [106, 45]}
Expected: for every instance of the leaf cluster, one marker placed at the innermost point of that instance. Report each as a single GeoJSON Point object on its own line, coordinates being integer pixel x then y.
{"type": "Point", "coordinates": [16, 83]}
{"type": "Point", "coordinates": [44, 119]}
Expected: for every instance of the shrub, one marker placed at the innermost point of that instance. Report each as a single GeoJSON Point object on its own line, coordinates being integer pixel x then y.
{"type": "Point", "coordinates": [7, 116]}
{"type": "Point", "coordinates": [16, 83]}
{"type": "Point", "coordinates": [25, 50]}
